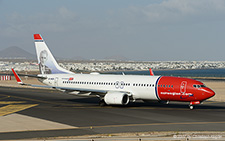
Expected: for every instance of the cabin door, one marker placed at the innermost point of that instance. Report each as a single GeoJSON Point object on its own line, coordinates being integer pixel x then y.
{"type": "Point", "coordinates": [56, 81]}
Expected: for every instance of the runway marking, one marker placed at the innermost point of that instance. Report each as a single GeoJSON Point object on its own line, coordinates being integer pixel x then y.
{"type": "Point", "coordinates": [14, 108]}
{"type": "Point", "coordinates": [131, 125]}
{"type": "Point", "coordinates": [152, 124]}
{"type": "Point", "coordinates": [41, 101]}
{"type": "Point", "coordinates": [5, 97]}
{"type": "Point", "coordinates": [11, 102]}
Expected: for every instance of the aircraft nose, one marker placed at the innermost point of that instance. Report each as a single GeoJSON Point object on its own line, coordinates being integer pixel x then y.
{"type": "Point", "coordinates": [210, 93]}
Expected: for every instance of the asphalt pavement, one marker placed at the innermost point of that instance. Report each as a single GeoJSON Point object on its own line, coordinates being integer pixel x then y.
{"type": "Point", "coordinates": [41, 113]}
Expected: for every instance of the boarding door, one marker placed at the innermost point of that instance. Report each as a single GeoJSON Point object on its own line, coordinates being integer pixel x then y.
{"type": "Point", "coordinates": [56, 81]}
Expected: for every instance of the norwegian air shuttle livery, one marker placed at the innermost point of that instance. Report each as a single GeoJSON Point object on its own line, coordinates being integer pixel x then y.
{"type": "Point", "coordinates": [116, 89]}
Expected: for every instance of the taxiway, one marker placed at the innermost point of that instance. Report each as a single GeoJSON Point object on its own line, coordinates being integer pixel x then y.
{"type": "Point", "coordinates": [38, 113]}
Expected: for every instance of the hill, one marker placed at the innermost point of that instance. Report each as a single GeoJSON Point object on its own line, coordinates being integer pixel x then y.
{"type": "Point", "coordinates": [15, 52]}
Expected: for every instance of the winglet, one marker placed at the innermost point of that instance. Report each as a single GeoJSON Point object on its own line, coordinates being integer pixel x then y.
{"type": "Point", "coordinates": [18, 79]}
{"type": "Point", "coordinates": [151, 72]}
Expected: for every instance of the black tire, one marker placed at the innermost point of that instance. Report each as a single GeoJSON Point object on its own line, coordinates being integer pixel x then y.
{"type": "Point", "coordinates": [102, 103]}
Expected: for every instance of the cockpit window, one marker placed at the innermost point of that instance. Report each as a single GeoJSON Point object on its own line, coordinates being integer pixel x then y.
{"type": "Point", "coordinates": [199, 86]}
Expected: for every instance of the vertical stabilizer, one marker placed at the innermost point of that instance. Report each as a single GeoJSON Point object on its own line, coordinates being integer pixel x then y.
{"type": "Point", "coordinates": [46, 61]}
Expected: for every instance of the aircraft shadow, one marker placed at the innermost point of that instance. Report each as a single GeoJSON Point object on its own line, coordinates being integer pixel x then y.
{"type": "Point", "coordinates": [154, 104]}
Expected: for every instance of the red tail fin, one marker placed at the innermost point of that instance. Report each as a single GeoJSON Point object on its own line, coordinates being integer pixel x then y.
{"type": "Point", "coordinates": [37, 37]}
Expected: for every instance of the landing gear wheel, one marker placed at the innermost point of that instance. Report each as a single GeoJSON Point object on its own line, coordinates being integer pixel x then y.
{"type": "Point", "coordinates": [102, 103]}
{"type": "Point", "coordinates": [191, 107]}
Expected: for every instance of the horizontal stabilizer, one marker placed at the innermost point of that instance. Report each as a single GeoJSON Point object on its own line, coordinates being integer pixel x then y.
{"type": "Point", "coordinates": [19, 81]}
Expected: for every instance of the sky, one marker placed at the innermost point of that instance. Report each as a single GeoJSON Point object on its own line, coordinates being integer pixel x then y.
{"type": "Point", "coordinates": [139, 30]}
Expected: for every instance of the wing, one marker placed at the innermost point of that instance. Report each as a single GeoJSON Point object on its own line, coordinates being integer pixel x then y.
{"type": "Point", "coordinates": [71, 90]}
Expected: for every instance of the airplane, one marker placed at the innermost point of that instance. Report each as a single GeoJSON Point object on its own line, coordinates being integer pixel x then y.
{"type": "Point", "coordinates": [116, 89]}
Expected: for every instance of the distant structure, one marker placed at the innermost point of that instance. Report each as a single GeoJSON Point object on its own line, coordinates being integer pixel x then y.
{"type": "Point", "coordinates": [5, 77]}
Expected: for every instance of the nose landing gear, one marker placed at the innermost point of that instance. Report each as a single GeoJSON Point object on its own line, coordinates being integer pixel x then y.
{"type": "Point", "coordinates": [193, 103]}
{"type": "Point", "coordinates": [191, 107]}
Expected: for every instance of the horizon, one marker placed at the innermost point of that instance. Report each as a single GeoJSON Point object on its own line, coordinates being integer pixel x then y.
{"type": "Point", "coordinates": [86, 59]}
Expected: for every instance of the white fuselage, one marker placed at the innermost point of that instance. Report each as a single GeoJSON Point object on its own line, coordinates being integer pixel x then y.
{"type": "Point", "coordinates": [141, 87]}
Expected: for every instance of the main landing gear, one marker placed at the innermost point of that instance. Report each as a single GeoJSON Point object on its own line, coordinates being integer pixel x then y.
{"type": "Point", "coordinates": [102, 103]}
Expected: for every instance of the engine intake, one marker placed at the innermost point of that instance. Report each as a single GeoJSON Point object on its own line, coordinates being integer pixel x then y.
{"type": "Point", "coordinates": [116, 98]}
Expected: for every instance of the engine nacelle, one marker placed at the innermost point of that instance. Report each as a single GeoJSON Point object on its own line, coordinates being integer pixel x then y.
{"type": "Point", "coordinates": [116, 98]}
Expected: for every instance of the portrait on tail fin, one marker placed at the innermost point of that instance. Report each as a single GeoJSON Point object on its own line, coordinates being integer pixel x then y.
{"type": "Point", "coordinates": [43, 59]}
{"type": "Point", "coordinates": [46, 61]}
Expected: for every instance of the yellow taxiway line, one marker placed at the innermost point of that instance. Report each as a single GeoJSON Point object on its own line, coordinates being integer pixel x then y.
{"type": "Point", "coordinates": [14, 108]}
{"type": "Point", "coordinates": [11, 102]}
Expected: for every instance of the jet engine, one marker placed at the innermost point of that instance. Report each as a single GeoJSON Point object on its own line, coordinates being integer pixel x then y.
{"type": "Point", "coordinates": [116, 98]}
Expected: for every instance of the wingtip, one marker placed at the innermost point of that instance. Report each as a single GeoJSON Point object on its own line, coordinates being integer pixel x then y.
{"type": "Point", "coordinates": [151, 72]}
{"type": "Point", "coordinates": [18, 79]}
